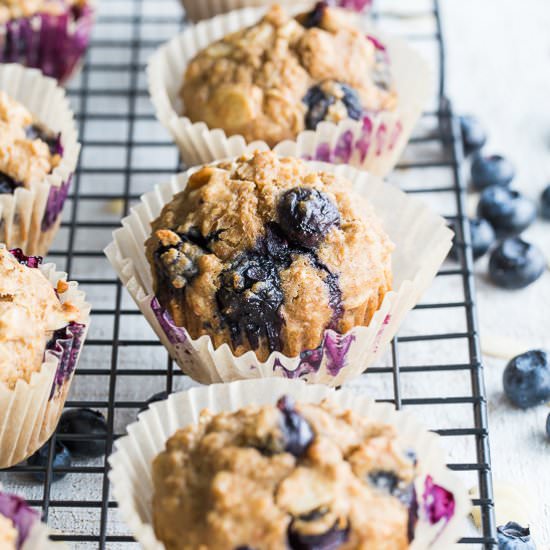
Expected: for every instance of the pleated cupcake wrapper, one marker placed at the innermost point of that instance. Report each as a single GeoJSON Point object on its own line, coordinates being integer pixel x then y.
{"type": "Point", "coordinates": [29, 218]}
{"type": "Point", "coordinates": [374, 143]}
{"type": "Point", "coordinates": [54, 44]}
{"type": "Point", "coordinates": [422, 242]}
{"type": "Point", "coordinates": [131, 474]}
{"type": "Point", "coordinates": [206, 9]}
{"type": "Point", "coordinates": [31, 411]}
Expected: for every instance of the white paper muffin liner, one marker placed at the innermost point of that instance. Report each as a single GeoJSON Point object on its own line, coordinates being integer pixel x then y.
{"type": "Point", "coordinates": [31, 411]}
{"type": "Point", "coordinates": [29, 218]}
{"type": "Point", "coordinates": [38, 536]}
{"type": "Point", "coordinates": [197, 10]}
{"type": "Point", "coordinates": [131, 474]}
{"type": "Point", "coordinates": [374, 143]}
{"type": "Point", "coordinates": [422, 242]}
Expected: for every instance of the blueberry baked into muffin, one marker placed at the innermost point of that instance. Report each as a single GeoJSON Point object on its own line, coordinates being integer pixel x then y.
{"type": "Point", "coordinates": [50, 35]}
{"type": "Point", "coordinates": [291, 476]}
{"type": "Point", "coordinates": [29, 153]}
{"type": "Point", "coordinates": [266, 253]}
{"type": "Point", "coordinates": [286, 74]}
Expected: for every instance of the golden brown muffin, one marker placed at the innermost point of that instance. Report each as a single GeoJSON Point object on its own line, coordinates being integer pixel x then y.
{"type": "Point", "coordinates": [283, 75]}
{"type": "Point", "coordinates": [285, 477]}
{"type": "Point", "coordinates": [266, 253]}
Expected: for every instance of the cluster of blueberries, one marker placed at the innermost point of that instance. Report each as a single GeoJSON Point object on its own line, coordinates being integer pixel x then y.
{"type": "Point", "coordinates": [503, 214]}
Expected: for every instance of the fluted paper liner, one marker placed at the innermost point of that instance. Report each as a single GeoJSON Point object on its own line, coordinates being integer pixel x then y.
{"type": "Point", "coordinates": [374, 143]}
{"type": "Point", "coordinates": [205, 9]}
{"type": "Point", "coordinates": [22, 213]}
{"type": "Point", "coordinates": [31, 411]}
{"type": "Point", "coordinates": [131, 475]}
{"type": "Point", "coordinates": [422, 242]}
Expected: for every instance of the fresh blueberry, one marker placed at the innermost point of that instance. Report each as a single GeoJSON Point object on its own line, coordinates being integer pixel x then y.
{"type": "Point", "coordinates": [307, 215]}
{"type": "Point", "coordinates": [84, 422]}
{"type": "Point", "coordinates": [342, 98]}
{"type": "Point", "coordinates": [545, 203]}
{"type": "Point", "coordinates": [508, 211]}
{"type": "Point", "coordinates": [330, 540]}
{"type": "Point", "coordinates": [7, 184]}
{"type": "Point", "coordinates": [515, 264]}
{"type": "Point", "coordinates": [53, 141]}
{"type": "Point", "coordinates": [513, 536]}
{"type": "Point", "coordinates": [391, 484]}
{"type": "Point", "coordinates": [473, 134]}
{"type": "Point", "coordinates": [526, 379]}
{"type": "Point", "coordinates": [297, 432]}
{"type": "Point", "coordinates": [62, 459]}
{"type": "Point", "coordinates": [314, 17]}
{"type": "Point", "coordinates": [483, 237]}
{"type": "Point", "coordinates": [491, 170]}
{"type": "Point", "coordinates": [160, 396]}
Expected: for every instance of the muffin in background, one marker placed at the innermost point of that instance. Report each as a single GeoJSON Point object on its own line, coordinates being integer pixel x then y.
{"type": "Point", "coordinates": [265, 253]}
{"type": "Point", "coordinates": [285, 74]}
{"type": "Point", "coordinates": [49, 35]}
{"type": "Point", "coordinates": [37, 159]}
{"type": "Point", "coordinates": [43, 323]}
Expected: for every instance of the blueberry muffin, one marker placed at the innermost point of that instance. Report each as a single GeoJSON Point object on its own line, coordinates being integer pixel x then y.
{"type": "Point", "coordinates": [29, 153]}
{"type": "Point", "coordinates": [265, 253]}
{"type": "Point", "coordinates": [294, 476]}
{"type": "Point", "coordinates": [50, 35]}
{"type": "Point", "coordinates": [32, 316]}
{"type": "Point", "coordinates": [284, 75]}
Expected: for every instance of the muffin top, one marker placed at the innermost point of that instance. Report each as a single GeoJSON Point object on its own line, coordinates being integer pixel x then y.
{"type": "Point", "coordinates": [266, 253]}
{"type": "Point", "coordinates": [30, 313]}
{"type": "Point", "coordinates": [285, 477]}
{"type": "Point", "coordinates": [8, 534]}
{"type": "Point", "coordinates": [13, 9]}
{"type": "Point", "coordinates": [28, 153]}
{"type": "Point", "coordinates": [282, 75]}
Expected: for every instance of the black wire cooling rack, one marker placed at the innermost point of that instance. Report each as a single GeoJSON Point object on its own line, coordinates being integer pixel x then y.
{"type": "Point", "coordinates": [432, 368]}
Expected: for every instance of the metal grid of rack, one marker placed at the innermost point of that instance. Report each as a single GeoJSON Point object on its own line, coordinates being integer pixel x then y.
{"type": "Point", "coordinates": [125, 152]}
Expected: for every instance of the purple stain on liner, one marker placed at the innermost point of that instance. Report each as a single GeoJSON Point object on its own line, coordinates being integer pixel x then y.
{"type": "Point", "coordinates": [344, 147]}
{"type": "Point", "coordinates": [364, 142]}
{"type": "Point", "coordinates": [381, 137]}
{"type": "Point", "coordinates": [20, 513]}
{"type": "Point", "coordinates": [438, 502]}
{"type": "Point", "coordinates": [52, 43]}
{"type": "Point", "coordinates": [54, 206]}
{"type": "Point", "coordinates": [357, 5]}
{"type": "Point", "coordinates": [176, 335]}
{"type": "Point", "coordinates": [323, 152]}
{"type": "Point", "coordinates": [377, 44]}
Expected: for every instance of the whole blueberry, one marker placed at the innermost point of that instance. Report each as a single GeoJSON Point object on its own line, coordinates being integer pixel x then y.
{"type": "Point", "coordinates": [314, 17]}
{"type": "Point", "coordinates": [329, 97]}
{"type": "Point", "coordinates": [513, 536]}
{"type": "Point", "coordinates": [306, 215]}
{"type": "Point", "coordinates": [515, 264]}
{"type": "Point", "coordinates": [483, 237]}
{"type": "Point", "coordinates": [331, 540]}
{"type": "Point", "coordinates": [491, 170]}
{"type": "Point", "coordinates": [7, 184]}
{"type": "Point", "coordinates": [526, 379]}
{"type": "Point", "coordinates": [160, 396]}
{"type": "Point", "coordinates": [473, 134]}
{"type": "Point", "coordinates": [297, 432]}
{"type": "Point", "coordinates": [545, 203]}
{"type": "Point", "coordinates": [389, 483]}
{"type": "Point", "coordinates": [62, 459]}
{"type": "Point", "coordinates": [508, 211]}
{"type": "Point", "coordinates": [84, 422]}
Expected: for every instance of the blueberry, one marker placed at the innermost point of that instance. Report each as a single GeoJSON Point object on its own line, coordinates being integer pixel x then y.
{"type": "Point", "coordinates": [296, 430]}
{"type": "Point", "coordinates": [391, 484]}
{"type": "Point", "coordinates": [7, 184]}
{"type": "Point", "coordinates": [332, 101]}
{"type": "Point", "coordinates": [513, 536]}
{"type": "Point", "coordinates": [545, 203]}
{"type": "Point", "coordinates": [526, 379]}
{"type": "Point", "coordinates": [516, 264]}
{"type": "Point", "coordinates": [473, 134]}
{"type": "Point", "coordinates": [62, 459]}
{"type": "Point", "coordinates": [314, 17]}
{"type": "Point", "coordinates": [84, 422]}
{"type": "Point", "coordinates": [160, 396]}
{"type": "Point", "coordinates": [508, 211]}
{"type": "Point", "coordinates": [332, 539]}
{"type": "Point", "coordinates": [35, 132]}
{"type": "Point", "coordinates": [491, 170]}
{"type": "Point", "coordinates": [483, 237]}
{"type": "Point", "coordinates": [307, 215]}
